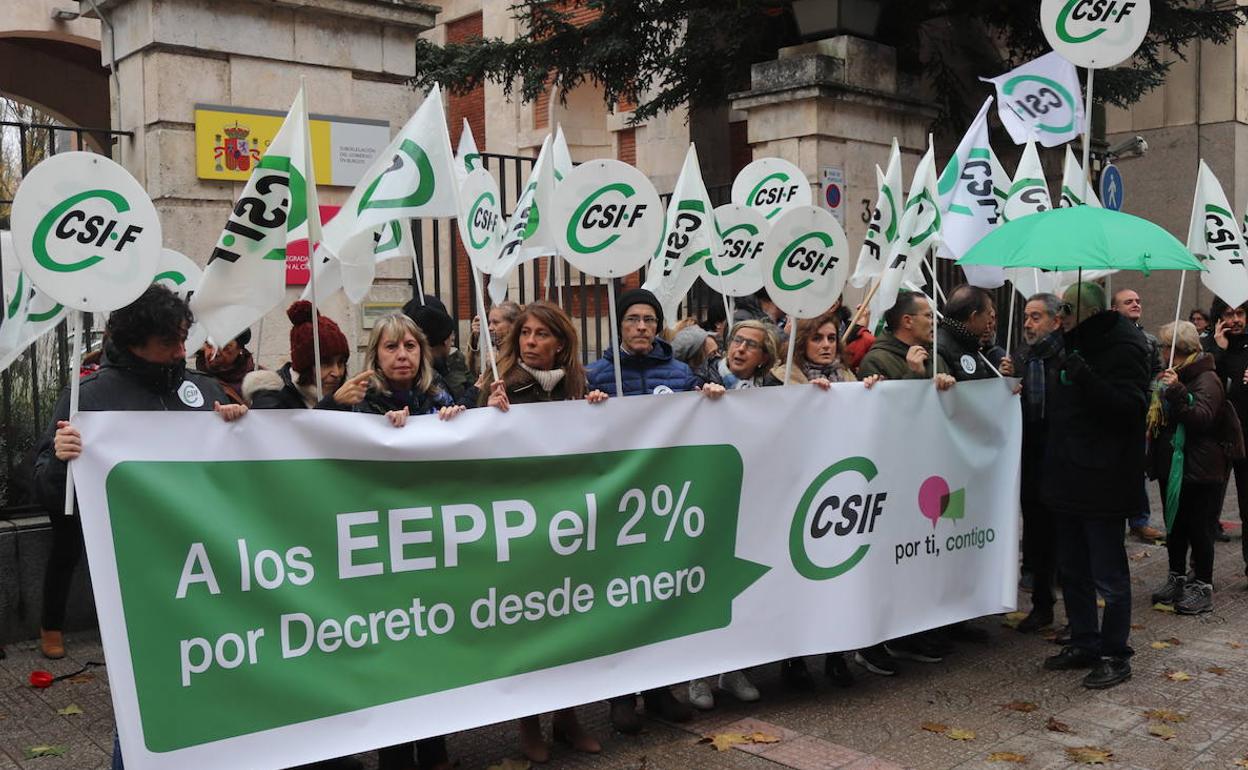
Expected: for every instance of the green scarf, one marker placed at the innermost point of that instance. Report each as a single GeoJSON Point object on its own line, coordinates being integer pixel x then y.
{"type": "Point", "coordinates": [1157, 417]}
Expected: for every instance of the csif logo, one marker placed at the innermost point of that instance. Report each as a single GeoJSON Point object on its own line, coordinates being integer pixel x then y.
{"type": "Point", "coordinates": [1042, 100]}
{"type": "Point", "coordinates": [482, 218]}
{"type": "Point", "coordinates": [773, 190]}
{"type": "Point", "coordinates": [811, 255]}
{"type": "Point", "coordinates": [741, 245]}
{"type": "Point", "coordinates": [1221, 237]}
{"type": "Point", "coordinates": [831, 529]}
{"type": "Point", "coordinates": [410, 172]}
{"type": "Point", "coordinates": [1092, 18]}
{"type": "Point", "coordinates": [259, 222]}
{"type": "Point", "coordinates": [594, 218]}
{"type": "Point", "coordinates": [90, 221]}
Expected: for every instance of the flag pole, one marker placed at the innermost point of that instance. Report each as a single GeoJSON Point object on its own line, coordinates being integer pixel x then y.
{"type": "Point", "coordinates": [486, 342]}
{"type": "Point", "coordinates": [862, 307]}
{"type": "Point", "coordinates": [935, 324]}
{"type": "Point", "coordinates": [615, 336]}
{"type": "Point", "coordinates": [74, 377]}
{"type": "Point", "coordinates": [1009, 320]}
{"type": "Point", "coordinates": [788, 364]}
{"type": "Point", "coordinates": [1087, 138]}
{"type": "Point", "coordinates": [1178, 307]}
{"type": "Point", "coordinates": [314, 235]}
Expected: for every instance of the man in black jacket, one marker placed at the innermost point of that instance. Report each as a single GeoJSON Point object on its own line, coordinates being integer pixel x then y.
{"type": "Point", "coordinates": [1093, 463]}
{"type": "Point", "coordinates": [1230, 353]}
{"type": "Point", "coordinates": [969, 314]}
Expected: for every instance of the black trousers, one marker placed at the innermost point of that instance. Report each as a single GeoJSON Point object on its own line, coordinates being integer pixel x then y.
{"type": "Point", "coordinates": [1239, 470]}
{"type": "Point", "coordinates": [428, 752]}
{"type": "Point", "coordinates": [1199, 506]}
{"type": "Point", "coordinates": [1092, 559]}
{"type": "Point", "coordinates": [1040, 553]}
{"type": "Point", "coordinates": [67, 549]}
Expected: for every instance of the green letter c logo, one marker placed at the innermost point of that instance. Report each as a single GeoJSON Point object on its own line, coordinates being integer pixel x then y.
{"type": "Point", "coordinates": [777, 272]}
{"type": "Point", "coordinates": [797, 546]}
{"type": "Point", "coordinates": [1061, 25]}
{"type": "Point", "coordinates": [626, 190]}
{"type": "Point", "coordinates": [40, 244]}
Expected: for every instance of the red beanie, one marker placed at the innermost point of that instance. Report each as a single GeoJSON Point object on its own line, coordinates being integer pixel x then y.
{"type": "Point", "coordinates": [333, 341]}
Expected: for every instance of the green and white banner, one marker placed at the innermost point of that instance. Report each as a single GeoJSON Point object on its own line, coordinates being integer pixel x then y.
{"type": "Point", "coordinates": [291, 587]}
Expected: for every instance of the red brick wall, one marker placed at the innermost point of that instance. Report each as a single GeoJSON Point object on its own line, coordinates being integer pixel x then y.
{"type": "Point", "coordinates": [626, 145]}
{"type": "Point", "coordinates": [472, 104]}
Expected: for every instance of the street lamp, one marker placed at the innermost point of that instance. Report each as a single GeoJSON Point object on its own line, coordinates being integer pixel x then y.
{"type": "Point", "coordinates": [818, 19]}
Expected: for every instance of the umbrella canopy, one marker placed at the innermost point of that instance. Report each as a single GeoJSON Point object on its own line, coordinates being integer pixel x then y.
{"type": "Point", "coordinates": [1082, 237]}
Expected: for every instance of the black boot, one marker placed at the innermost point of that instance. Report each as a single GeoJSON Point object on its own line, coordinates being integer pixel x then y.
{"type": "Point", "coordinates": [661, 703]}
{"type": "Point", "coordinates": [1172, 591]}
{"type": "Point", "coordinates": [1197, 599]}
{"type": "Point", "coordinates": [1036, 620]}
{"type": "Point", "coordinates": [1071, 658]}
{"type": "Point", "coordinates": [836, 669]}
{"type": "Point", "coordinates": [795, 674]}
{"type": "Point", "coordinates": [1108, 672]}
{"type": "Point", "coordinates": [624, 714]}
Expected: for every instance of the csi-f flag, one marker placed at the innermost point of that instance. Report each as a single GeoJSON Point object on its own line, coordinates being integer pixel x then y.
{"type": "Point", "coordinates": [1029, 192]}
{"type": "Point", "coordinates": [969, 204]}
{"type": "Point", "coordinates": [689, 237]}
{"type": "Point", "coordinates": [391, 241]}
{"type": "Point", "coordinates": [1215, 238]}
{"type": "Point", "coordinates": [413, 177]}
{"type": "Point", "coordinates": [246, 273]}
{"type": "Point", "coordinates": [1074, 185]}
{"type": "Point", "coordinates": [1041, 99]}
{"type": "Point", "coordinates": [27, 313]}
{"type": "Point", "coordinates": [919, 231]}
{"type": "Point", "coordinates": [530, 232]}
{"type": "Point", "coordinates": [882, 230]}
{"type": "Point", "coordinates": [467, 158]}
{"type": "Point", "coordinates": [562, 158]}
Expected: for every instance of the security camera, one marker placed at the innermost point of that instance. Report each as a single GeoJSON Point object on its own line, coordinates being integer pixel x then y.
{"type": "Point", "coordinates": [1130, 148]}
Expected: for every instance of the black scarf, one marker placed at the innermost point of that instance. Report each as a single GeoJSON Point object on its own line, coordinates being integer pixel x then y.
{"type": "Point", "coordinates": [961, 334]}
{"type": "Point", "coordinates": [1034, 380]}
{"type": "Point", "coordinates": [159, 378]}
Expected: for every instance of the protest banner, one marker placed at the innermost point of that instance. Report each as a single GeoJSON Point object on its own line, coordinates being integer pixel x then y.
{"type": "Point", "coordinates": [415, 582]}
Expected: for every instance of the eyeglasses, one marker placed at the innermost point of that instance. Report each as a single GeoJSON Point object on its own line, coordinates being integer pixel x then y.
{"type": "Point", "coordinates": [747, 343]}
{"type": "Point", "coordinates": [641, 320]}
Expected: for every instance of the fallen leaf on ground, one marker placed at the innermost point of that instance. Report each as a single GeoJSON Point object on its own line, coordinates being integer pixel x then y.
{"type": "Point", "coordinates": [1022, 706]}
{"type": "Point", "coordinates": [1138, 555]}
{"type": "Point", "coordinates": [1234, 645]}
{"type": "Point", "coordinates": [70, 710]}
{"type": "Point", "coordinates": [725, 741]}
{"type": "Point", "coordinates": [1007, 756]}
{"type": "Point", "coordinates": [1160, 645]}
{"type": "Point", "coordinates": [1164, 607]}
{"type": "Point", "coordinates": [1219, 670]}
{"type": "Point", "coordinates": [1162, 731]}
{"type": "Point", "coordinates": [1055, 726]}
{"type": "Point", "coordinates": [958, 734]}
{"type": "Point", "coordinates": [1173, 641]}
{"type": "Point", "coordinates": [1165, 715]}
{"type": "Point", "coordinates": [34, 752]}
{"type": "Point", "coordinates": [1049, 635]}
{"type": "Point", "coordinates": [1012, 619]}
{"type": "Point", "coordinates": [1137, 626]}
{"type": "Point", "coordinates": [82, 678]}
{"type": "Point", "coordinates": [1178, 676]}
{"type": "Point", "coordinates": [511, 764]}
{"type": "Point", "coordinates": [934, 727]}
{"type": "Point", "coordinates": [1090, 755]}
{"type": "Point", "coordinates": [1242, 762]}
{"type": "Point", "coordinates": [761, 737]}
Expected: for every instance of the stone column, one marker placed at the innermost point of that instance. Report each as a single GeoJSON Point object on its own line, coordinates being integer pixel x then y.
{"type": "Point", "coordinates": [354, 56]}
{"type": "Point", "coordinates": [837, 103]}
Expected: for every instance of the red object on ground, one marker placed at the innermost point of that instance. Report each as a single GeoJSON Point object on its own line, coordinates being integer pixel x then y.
{"type": "Point", "coordinates": [41, 679]}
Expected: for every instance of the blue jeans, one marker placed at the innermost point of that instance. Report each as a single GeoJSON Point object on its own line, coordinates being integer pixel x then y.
{"type": "Point", "coordinates": [1146, 511]}
{"type": "Point", "coordinates": [1092, 559]}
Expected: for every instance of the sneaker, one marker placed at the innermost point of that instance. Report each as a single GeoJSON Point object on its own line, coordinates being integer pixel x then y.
{"type": "Point", "coordinates": [700, 695]}
{"type": "Point", "coordinates": [912, 648]}
{"type": "Point", "coordinates": [1172, 591]}
{"type": "Point", "coordinates": [739, 686]}
{"type": "Point", "coordinates": [1071, 658]}
{"type": "Point", "coordinates": [876, 660]}
{"type": "Point", "coordinates": [661, 703]}
{"type": "Point", "coordinates": [795, 674]}
{"type": "Point", "coordinates": [1107, 673]}
{"type": "Point", "coordinates": [1148, 534]}
{"type": "Point", "coordinates": [1197, 598]}
{"type": "Point", "coordinates": [837, 670]}
{"type": "Point", "coordinates": [1035, 620]}
{"type": "Point", "coordinates": [624, 715]}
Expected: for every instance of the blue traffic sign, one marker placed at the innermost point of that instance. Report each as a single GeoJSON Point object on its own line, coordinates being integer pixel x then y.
{"type": "Point", "coordinates": [1111, 188]}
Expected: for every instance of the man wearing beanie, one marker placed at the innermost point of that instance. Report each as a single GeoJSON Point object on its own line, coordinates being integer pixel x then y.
{"type": "Point", "coordinates": [646, 366]}
{"type": "Point", "coordinates": [646, 361]}
{"type": "Point", "coordinates": [448, 360]}
{"type": "Point", "coordinates": [294, 385]}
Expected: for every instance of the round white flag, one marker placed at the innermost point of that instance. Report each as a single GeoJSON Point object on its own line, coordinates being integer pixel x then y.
{"type": "Point", "coordinates": [771, 185]}
{"type": "Point", "coordinates": [805, 261]}
{"type": "Point", "coordinates": [1095, 33]}
{"type": "Point", "coordinates": [85, 232]}
{"type": "Point", "coordinates": [737, 270]}
{"type": "Point", "coordinates": [177, 273]}
{"type": "Point", "coordinates": [481, 225]}
{"type": "Point", "coordinates": [609, 218]}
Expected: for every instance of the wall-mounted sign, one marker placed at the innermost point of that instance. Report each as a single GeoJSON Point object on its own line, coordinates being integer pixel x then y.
{"type": "Point", "coordinates": [229, 141]}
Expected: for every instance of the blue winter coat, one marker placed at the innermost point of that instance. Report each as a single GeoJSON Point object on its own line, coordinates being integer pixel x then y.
{"type": "Point", "coordinates": [642, 374]}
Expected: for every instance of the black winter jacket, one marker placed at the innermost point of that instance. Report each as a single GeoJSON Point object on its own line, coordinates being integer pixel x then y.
{"type": "Point", "coordinates": [1094, 448]}
{"type": "Point", "coordinates": [124, 383]}
{"type": "Point", "coordinates": [273, 390]}
{"type": "Point", "coordinates": [962, 361]}
{"type": "Point", "coordinates": [1231, 365]}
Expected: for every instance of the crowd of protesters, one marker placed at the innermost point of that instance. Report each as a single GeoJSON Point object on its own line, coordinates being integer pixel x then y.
{"type": "Point", "coordinates": [1104, 406]}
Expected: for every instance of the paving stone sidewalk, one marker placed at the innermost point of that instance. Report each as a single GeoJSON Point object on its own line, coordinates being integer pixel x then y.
{"type": "Point", "coordinates": [876, 724]}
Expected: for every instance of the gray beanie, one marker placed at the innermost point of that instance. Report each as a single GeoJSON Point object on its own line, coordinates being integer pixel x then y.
{"type": "Point", "coordinates": [688, 341]}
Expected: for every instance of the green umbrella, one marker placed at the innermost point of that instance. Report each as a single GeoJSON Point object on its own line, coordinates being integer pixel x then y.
{"type": "Point", "coordinates": [1082, 237]}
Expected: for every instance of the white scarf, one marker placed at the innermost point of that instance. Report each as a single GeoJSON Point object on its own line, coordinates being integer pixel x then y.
{"type": "Point", "coordinates": [546, 378]}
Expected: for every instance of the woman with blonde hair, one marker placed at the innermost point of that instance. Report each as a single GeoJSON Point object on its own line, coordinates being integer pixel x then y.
{"type": "Point", "coordinates": [398, 380]}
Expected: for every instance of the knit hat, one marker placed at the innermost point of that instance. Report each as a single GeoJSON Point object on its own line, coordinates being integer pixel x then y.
{"type": "Point", "coordinates": [688, 341]}
{"type": "Point", "coordinates": [435, 323]}
{"type": "Point", "coordinates": [409, 309]}
{"type": "Point", "coordinates": [302, 353]}
{"type": "Point", "coordinates": [638, 297]}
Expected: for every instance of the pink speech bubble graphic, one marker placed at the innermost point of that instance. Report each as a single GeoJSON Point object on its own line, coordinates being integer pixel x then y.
{"type": "Point", "coordinates": [932, 495]}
